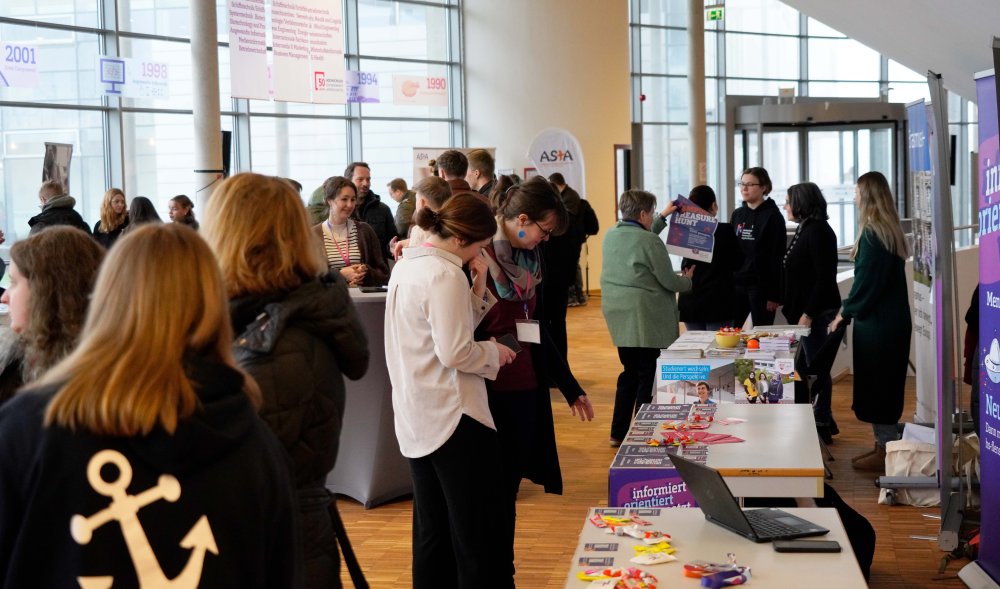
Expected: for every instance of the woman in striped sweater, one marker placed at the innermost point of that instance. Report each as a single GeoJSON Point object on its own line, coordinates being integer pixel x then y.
{"type": "Point", "coordinates": [350, 246]}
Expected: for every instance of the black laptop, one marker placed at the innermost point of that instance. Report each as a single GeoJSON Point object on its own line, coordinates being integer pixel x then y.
{"type": "Point", "coordinates": [720, 507]}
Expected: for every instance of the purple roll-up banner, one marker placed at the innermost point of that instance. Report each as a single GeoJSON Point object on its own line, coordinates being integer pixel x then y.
{"type": "Point", "coordinates": [989, 321]}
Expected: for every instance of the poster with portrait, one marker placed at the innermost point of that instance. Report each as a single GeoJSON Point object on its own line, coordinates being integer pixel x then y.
{"type": "Point", "coordinates": [55, 166]}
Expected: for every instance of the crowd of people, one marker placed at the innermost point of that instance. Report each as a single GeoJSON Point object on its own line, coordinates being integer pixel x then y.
{"type": "Point", "coordinates": [754, 272]}
{"type": "Point", "coordinates": [197, 379]}
{"type": "Point", "coordinates": [116, 218]}
{"type": "Point", "coordinates": [151, 416]}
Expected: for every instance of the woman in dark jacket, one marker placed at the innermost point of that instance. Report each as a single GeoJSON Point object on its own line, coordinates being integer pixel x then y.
{"type": "Point", "coordinates": [760, 230]}
{"type": "Point", "coordinates": [519, 397]}
{"type": "Point", "coordinates": [879, 304]}
{"type": "Point", "coordinates": [812, 297]}
{"type": "Point", "coordinates": [710, 302]}
{"type": "Point", "coordinates": [114, 218]}
{"type": "Point", "coordinates": [297, 334]}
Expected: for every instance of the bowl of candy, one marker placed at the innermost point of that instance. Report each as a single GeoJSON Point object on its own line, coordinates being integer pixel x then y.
{"type": "Point", "coordinates": [727, 337]}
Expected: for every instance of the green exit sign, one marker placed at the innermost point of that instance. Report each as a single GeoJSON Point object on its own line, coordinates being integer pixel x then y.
{"type": "Point", "coordinates": [714, 13]}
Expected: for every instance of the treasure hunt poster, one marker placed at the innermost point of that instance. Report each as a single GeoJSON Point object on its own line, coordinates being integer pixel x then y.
{"type": "Point", "coordinates": [989, 321]}
{"type": "Point", "coordinates": [691, 231]}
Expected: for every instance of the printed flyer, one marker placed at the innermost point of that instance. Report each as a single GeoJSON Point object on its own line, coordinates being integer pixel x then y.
{"type": "Point", "coordinates": [691, 231]}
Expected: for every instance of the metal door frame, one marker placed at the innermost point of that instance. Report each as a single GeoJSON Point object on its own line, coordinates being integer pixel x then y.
{"type": "Point", "coordinates": [769, 114]}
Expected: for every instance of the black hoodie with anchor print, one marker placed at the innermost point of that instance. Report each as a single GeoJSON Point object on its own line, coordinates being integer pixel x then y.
{"type": "Point", "coordinates": [209, 506]}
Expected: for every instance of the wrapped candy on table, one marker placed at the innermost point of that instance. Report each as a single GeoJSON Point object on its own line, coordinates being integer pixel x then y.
{"type": "Point", "coordinates": [630, 578]}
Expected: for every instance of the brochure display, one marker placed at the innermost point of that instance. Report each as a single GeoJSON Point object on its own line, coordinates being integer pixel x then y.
{"type": "Point", "coordinates": [733, 375]}
{"type": "Point", "coordinates": [641, 474]}
{"type": "Point", "coordinates": [760, 450]}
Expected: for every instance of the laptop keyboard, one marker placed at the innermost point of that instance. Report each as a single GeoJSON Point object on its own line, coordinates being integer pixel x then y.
{"type": "Point", "coordinates": [766, 527]}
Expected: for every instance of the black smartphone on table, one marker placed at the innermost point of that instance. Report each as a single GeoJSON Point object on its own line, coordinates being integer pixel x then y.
{"type": "Point", "coordinates": [806, 546]}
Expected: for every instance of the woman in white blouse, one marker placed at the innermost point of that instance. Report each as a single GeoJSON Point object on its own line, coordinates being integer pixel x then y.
{"type": "Point", "coordinates": [442, 416]}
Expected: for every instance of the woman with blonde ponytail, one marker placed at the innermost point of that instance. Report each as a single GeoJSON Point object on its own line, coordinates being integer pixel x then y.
{"type": "Point", "coordinates": [880, 308]}
{"type": "Point", "coordinates": [140, 455]}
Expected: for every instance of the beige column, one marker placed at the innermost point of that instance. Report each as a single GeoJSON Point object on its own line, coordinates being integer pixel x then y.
{"type": "Point", "coordinates": [696, 90]}
{"type": "Point", "coordinates": [205, 85]}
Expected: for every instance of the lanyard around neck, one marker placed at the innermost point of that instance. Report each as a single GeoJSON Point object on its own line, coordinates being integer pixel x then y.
{"type": "Point", "coordinates": [345, 253]}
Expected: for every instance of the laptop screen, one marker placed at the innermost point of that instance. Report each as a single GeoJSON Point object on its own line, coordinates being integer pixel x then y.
{"type": "Point", "coordinates": [712, 494]}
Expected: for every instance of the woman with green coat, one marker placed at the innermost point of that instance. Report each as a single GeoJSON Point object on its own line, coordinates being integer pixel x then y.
{"type": "Point", "coordinates": [879, 305]}
{"type": "Point", "coordinates": [639, 301]}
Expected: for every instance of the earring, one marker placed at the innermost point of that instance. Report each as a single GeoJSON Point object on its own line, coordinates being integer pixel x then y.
{"type": "Point", "coordinates": [521, 234]}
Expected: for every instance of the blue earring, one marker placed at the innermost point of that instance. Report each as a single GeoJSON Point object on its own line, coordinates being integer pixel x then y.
{"type": "Point", "coordinates": [521, 233]}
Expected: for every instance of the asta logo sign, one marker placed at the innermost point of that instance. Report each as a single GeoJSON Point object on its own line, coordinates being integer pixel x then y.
{"type": "Point", "coordinates": [553, 156]}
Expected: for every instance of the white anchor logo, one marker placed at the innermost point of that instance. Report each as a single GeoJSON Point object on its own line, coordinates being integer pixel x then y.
{"type": "Point", "coordinates": [124, 508]}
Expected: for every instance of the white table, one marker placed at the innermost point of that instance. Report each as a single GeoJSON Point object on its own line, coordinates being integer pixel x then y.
{"type": "Point", "coordinates": [697, 539]}
{"type": "Point", "coordinates": [780, 457]}
{"type": "Point", "coordinates": [370, 467]}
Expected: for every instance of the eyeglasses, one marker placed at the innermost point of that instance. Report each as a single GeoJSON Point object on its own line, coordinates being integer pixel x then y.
{"type": "Point", "coordinates": [748, 184]}
{"type": "Point", "coordinates": [547, 232]}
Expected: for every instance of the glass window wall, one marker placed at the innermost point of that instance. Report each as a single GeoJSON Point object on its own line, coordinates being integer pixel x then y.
{"type": "Point", "coordinates": [145, 145]}
{"type": "Point", "coordinates": [24, 132]}
{"type": "Point", "coordinates": [761, 48]}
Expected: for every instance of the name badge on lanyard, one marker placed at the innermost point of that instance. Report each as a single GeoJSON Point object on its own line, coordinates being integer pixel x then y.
{"type": "Point", "coordinates": [528, 330]}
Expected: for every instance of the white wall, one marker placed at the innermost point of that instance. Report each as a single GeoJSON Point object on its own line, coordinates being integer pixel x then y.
{"type": "Point", "coordinates": [534, 64]}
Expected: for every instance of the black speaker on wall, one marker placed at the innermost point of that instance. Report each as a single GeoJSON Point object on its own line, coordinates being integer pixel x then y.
{"type": "Point", "coordinates": [227, 150]}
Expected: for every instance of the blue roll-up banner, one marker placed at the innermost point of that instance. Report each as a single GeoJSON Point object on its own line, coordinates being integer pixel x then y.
{"type": "Point", "coordinates": [921, 180]}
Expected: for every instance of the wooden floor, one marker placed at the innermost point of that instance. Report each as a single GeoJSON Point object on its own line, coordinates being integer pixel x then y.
{"type": "Point", "coordinates": [548, 525]}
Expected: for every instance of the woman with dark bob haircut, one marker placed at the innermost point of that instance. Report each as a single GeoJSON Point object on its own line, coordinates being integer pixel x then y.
{"type": "Point", "coordinates": [527, 214]}
{"type": "Point", "coordinates": [811, 295]}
